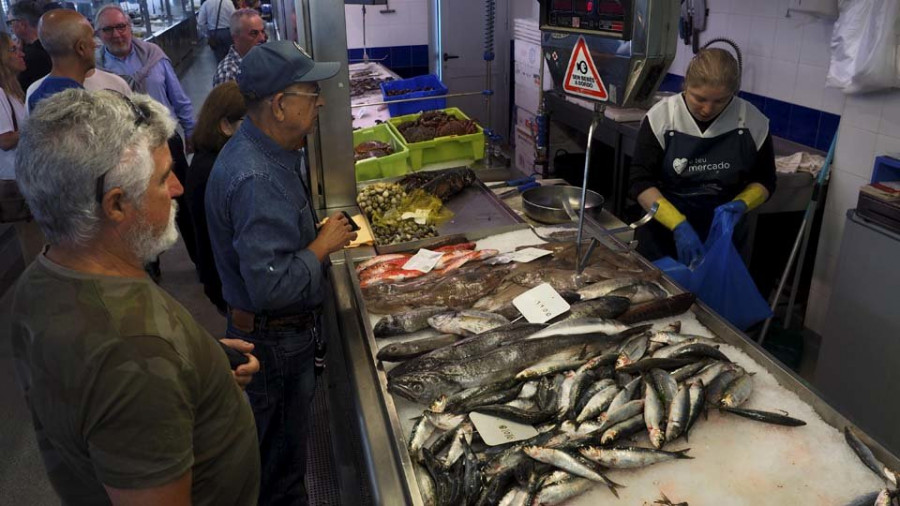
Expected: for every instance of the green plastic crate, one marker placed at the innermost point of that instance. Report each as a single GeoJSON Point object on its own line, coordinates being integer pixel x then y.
{"type": "Point", "coordinates": [442, 149]}
{"type": "Point", "coordinates": [396, 164]}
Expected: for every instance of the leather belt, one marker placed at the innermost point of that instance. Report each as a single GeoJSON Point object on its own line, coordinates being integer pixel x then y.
{"type": "Point", "coordinates": [248, 322]}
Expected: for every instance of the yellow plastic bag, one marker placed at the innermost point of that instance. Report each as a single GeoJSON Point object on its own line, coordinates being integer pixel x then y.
{"type": "Point", "coordinates": [419, 206]}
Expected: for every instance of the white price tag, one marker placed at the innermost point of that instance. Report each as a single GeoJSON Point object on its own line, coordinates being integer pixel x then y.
{"type": "Point", "coordinates": [528, 254]}
{"type": "Point", "coordinates": [497, 431]}
{"type": "Point", "coordinates": [423, 261]}
{"type": "Point", "coordinates": [420, 216]}
{"type": "Point", "coordinates": [541, 304]}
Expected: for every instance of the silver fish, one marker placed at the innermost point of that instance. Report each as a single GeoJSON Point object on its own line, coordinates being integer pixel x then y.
{"type": "Point", "coordinates": [444, 421]}
{"type": "Point", "coordinates": [562, 491]}
{"type": "Point", "coordinates": [523, 404]}
{"type": "Point", "coordinates": [601, 307]}
{"type": "Point", "coordinates": [709, 373]}
{"type": "Point", "coordinates": [567, 462]}
{"type": "Point", "coordinates": [632, 350]}
{"type": "Point", "coordinates": [690, 349]}
{"type": "Point", "coordinates": [421, 431]}
{"type": "Point", "coordinates": [679, 413]}
{"type": "Point", "coordinates": [621, 413]}
{"type": "Point", "coordinates": [643, 291]}
{"type": "Point", "coordinates": [654, 415]}
{"type": "Point", "coordinates": [462, 437]}
{"type": "Point", "coordinates": [517, 496]}
{"type": "Point", "coordinates": [397, 352]}
{"type": "Point", "coordinates": [426, 486]}
{"type": "Point", "coordinates": [467, 322]}
{"type": "Point", "coordinates": [626, 428]}
{"type": "Point", "coordinates": [630, 457]}
{"type": "Point", "coordinates": [406, 322]}
{"type": "Point", "coordinates": [670, 338]}
{"type": "Point", "coordinates": [738, 392]}
{"type": "Point", "coordinates": [716, 388]}
{"type": "Point", "coordinates": [591, 390]}
{"type": "Point", "coordinates": [683, 373]}
{"type": "Point", "coordinates": [581, 326]}
{"type": "Point", "coordinates": [603, 288]}
{"type": "Point", "coordinates": [626, 394]}
{"type": "Point", "coordinates": [565, 394]}
{"type": "Point", "coordinates": [665, 386]}
{"type": "Point", "coordinates": [549, 367]}
{"type": "Point", "coordinates": [598, 403]}
{"type": "Point", "coordinates": [529, 389]}
{"type": "Point", "coordinates": [867, 457]}
{"type": "Point", "coordinates": [589, 427]}
{"type": "Point", "coordinates": [696, 402]}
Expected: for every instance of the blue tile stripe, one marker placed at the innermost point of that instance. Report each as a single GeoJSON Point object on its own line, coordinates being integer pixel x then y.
{"type": "Point", "coordinates": [803, 125]}
{"type": "Point", "coordinates": [394, 57]}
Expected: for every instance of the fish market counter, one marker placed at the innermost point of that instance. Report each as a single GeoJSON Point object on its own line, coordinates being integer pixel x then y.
{"type": "Point", "coordinates": [731, 459]}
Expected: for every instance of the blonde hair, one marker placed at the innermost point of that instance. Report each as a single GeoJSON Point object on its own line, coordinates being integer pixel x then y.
{"type": "Point", "coordinates": [8, 79]}
{"type": "Point", "coordinates": [713, 67]}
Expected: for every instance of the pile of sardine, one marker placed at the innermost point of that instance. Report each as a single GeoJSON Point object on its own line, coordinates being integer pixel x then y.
{"type": "Point", "coordinates": [588, 380]}
{"type": "Point", "coordinates": [886, 496]}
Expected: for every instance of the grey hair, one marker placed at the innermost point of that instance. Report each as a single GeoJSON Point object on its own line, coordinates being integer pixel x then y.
{"type": "Point", "coordinates": [69, 141]}
{"type": "Point", "coordinates": [237, 16]}
{"type": "Point", "coordinates": [109, 7]}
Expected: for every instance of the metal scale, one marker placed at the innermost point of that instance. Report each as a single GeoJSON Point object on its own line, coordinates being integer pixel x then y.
{"type": "Point", "coordinates": [611, 52]}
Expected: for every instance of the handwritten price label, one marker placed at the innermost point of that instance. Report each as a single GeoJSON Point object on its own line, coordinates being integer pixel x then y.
{"type": "Point", "coordinates": [528, 254]}
{"type": "Point", "coordinates": [497, 431]}
{"type": "Point", "coordinates": [541, 304]}
{"type": "Point", "coordinates": [423, 261]}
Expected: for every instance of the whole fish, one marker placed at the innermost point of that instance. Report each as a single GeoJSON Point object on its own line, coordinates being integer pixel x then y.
{"type": "Point", "coordinates": [626, 394]}
{"type": "Point", "coordinates": [679, 413]}
{"type": "Point", "coordinates": [604, 288]}
{"type": "Point", "coordinates": [569, 463]}
{"type": "Point", "coordinates": [621, 413]}
{"type": "Point", "coordinates": [471, 476]}
{"type": "Point", "coordinates": [561, 491]}
{"type": "Point", "coordinates": [523, 404]}
{"type": "Point", "coordinates": [393, 275]}
{"type": "Point", "coordinates": [715, 390]}
{"type": "Point", "coordinates": [598, 403]}
{"type": "Point", "coordinates": [406, 322]}
{"type": "Point", "coordinates": [626, 428]}
{"type": "Point", "coordinates": [517, 496]}
{"type": "Point", "coordinates": [500, 300]}
{"type": "Point", "coordinates": [458, 259]}
{"type": "Point", "coordinates": [559, 279]}
{"type": "Point", "coordinates": [366, 276]}
{"type": "Point", "coordinates": [460, 246]}
{"type": "Point", "coordinates": [565, 395]}
{"type": "Point", "coordinates": [664, 308]}
{"type": "Point", "coordinates": [549, 367]}
{"type": "Point", "coordinates": [601, 307]}
{"type": "Point", "coordinates": [398, 352]}
{"type": "Point", "coordinates": [696, 401]}
{"type": "Point", "coordinates": [516, 414]}
{"type": "Point", "coordinates": [547, 395]}
{"type": "Point", "coordinates": [381, 259]}
{"type": "Point", "coordinates": [646, 364]}
{"type": "Point", "coordinates": [737, 392]}
{"type": "Point", "coordinates": [422, 430]}
{"type": "Point", "coordinates": [632, 350]}
{"type": "Point", "coordinates": [670, 338]}
{"type": "Point", "coordinates": [654, 415]}
{"type": "Point", "coordinates": [444, 421]}
{"type": "Point", "coordinates": [690, 349]}
{"type": "Point", "coordinates": [462, 436]}
{"type": "Point", "coordinates": [640, 292]}
{"type": "Point", "coordinates": [458, 290]}
{"type": "Point", "coordinates": [867, 457]}
{"type": "Point", "coordinates": [581, 326]}
{"type": "Point", "coordinates": [630, 457]}
{"type": "Point", "coordinates": [665, 385]}
{"type": "Point", "coordinates": [683, 373]}
{"type": "Point", "coordinates": [592, 390]}
{"type": "Point", "coordinates": [457, 402]}
{"type": "Point", "coordinates": [709, 373]}
{"type": "Point", "coordinates": [765, 416]}
{"type": "Point", "coordinates": [466, 322]}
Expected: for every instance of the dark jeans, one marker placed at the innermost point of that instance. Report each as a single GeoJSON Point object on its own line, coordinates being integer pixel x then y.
{"type": "Point", "coordinates": [183, 218]}
{"type": "Point", "coordinates": [281, 394]}
{"type": "Point", "coordinates": [222, 36]}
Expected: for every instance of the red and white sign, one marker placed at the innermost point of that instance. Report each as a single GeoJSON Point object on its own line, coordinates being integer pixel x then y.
{"type": "Point", "coordinates": [582, 78]}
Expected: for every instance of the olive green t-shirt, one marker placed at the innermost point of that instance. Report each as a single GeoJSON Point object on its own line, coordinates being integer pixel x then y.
{"type": "Point", "coordinates": [127, 390]}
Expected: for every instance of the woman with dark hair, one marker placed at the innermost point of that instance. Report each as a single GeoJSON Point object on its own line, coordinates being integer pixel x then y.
{"type": "Point", "coordinates": [12, 114]}
{"type": "Point", "coordinates": [219, 118]}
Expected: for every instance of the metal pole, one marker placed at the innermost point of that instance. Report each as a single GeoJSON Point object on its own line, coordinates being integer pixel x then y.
{"type": "Point", "coordinates": [598, 113]}
{"type": "Point", "coordinates": [401, 100]}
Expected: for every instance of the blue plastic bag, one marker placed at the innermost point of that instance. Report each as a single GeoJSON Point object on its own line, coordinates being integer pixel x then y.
{"type": "Point", "coordinates": [721, 280]}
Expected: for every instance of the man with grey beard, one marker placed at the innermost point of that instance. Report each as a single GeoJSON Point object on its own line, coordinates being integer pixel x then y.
{"type": "Point", "coordinates": [133, 402]}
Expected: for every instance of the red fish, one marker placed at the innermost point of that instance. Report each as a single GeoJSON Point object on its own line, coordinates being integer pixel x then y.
{"type": "Point", "coordinates": [470, 256]}
{"type": "Point", "coordinates": [390, 276]}
{"type": "Point", "coordinates": [468, 246]}
{"type": "Point", "coordinates": [380, 259]}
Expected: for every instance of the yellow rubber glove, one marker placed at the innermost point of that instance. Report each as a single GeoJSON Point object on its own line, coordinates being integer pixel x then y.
{"type": "Point", "coordinates": [754, 195]}
{"type": "Point", "coordinates": [668, 215]}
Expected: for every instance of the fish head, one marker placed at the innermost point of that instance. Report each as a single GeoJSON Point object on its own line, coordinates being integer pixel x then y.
{"type": "Point", "coordinates": [423, 386]}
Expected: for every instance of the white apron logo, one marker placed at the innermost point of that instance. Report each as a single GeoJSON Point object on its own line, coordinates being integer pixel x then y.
{"type": "Point", "coordinates": [679, 165]}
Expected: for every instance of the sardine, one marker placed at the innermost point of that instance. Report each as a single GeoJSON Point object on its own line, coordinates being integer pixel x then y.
{"type": "Point", "coordinates": [407, 322]}
{"type": "Point", "coordinates": [421, 431]}
{"type": "Point", "coordinates": [467, 322]}
{"type": "Point", "coordinates": [516, 496]}
{"type": "Point", "coordinates": [426, 485]}
{"type": "Point", "coordinates": [687, 349]}
{"type": "Point", "coordinates": [462, 436]}
{"type": "Point", "coordinates": [493, 490]}
{"type": "Point", "coordinates": [710, 372]}
{"type": "Point", "coordinates": [548, 367]}
{"type": "Point", "coordinates": [867, 457]}
{"type": "Point", "coordinates": [632, 350]}
{"type": "Point", "coordinates": [696, 401]}
{"type": "Point", "coordinates": [643, 291]}
{"type": "Point", "coordinates": [683, 373]}
{"type": "Point", "coordinates": [530, 417]}
{"type": "Point", "coordinates": [444, 421]}
{"type": "Point", "coordinates": [471, 476]}
{"type": "Point", "coordinates": [562, 491]}
{"type": "Point", "coordinates": [581, 326]}
{"type": "Point", "coordinates": [716, 388]}
{"type": "Point", "coordinates": [765, 416]}
{"type": "Point", "coordinates": [626, 428]}
{"type": "Point", "coordinates": [570, 463]}
{"type": "Point", "coordinates": [598, 403]}
{"type": "Point", "coordinates": [630, 457]}
{"type": "Point", "coordinates": [398, 352]}
{"type": "Point", "coordinates": [626, 394]}
{"type": "Point", "coordinates": [457, 402]}
{"type": "Point", "coordinates": [654, 415]}
{"type": "Point", "coordinates": [679, 413]}
{"type": "Point", "coordinates": [665, 386]}
{"type": "Point", "coordinates": [737, 392]}
{"type": "Point", "coordinates": [671, 338]}
{"type": "Point", "coordinates": [645, 364]}
{"type": "Point", "coordinates": [621, 413]}
{"type": "Point", "coordinates": [592, 390]}
{"type": "Point", "coordinates": [565, 395]}
{"type": "Point", "coordinates": [671, 306]}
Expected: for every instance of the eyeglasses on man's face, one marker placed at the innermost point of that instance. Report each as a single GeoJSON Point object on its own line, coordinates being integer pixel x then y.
{"type": "Point", "coordinates": [140, 118]}
{"type": "Point", "coordinates": [304, 93]}
{"type": "Point", "coordinates": [121, 27]}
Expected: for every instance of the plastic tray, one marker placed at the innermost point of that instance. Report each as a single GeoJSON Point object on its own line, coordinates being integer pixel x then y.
{"type": "Point", "coordinates": [396, 164]}
{"type": "Point", "coordinates": [413, 83]}
{"type": "Point", "coordinates": [442, 149]}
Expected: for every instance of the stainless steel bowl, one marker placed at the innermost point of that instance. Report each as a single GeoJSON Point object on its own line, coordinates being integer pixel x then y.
{"type": "Point", "coordinates": [545, 204]}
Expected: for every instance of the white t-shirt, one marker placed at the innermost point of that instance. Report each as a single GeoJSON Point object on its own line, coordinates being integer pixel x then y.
{"type": "Point", "coordinates": [98, 80]}
{"type": "Point", "coordinates": [8, 158]}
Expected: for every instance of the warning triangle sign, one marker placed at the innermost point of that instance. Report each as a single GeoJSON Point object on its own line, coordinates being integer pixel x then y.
{"type": "Point", "coordinates": [582, 78]}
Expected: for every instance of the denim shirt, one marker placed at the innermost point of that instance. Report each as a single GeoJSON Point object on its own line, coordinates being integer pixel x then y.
{"type": "Point", "coordinates": [260, 224]}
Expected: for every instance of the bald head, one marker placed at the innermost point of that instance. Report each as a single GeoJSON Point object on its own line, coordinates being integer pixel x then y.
{"type": "Point", "coordinates": [61, 30]}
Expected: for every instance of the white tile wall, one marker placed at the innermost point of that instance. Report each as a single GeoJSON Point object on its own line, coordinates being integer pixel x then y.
{"type": "Point", "coordinates": [408, 26]}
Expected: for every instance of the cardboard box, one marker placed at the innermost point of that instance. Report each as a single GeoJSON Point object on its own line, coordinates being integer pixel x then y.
{"type": "Point", "coordinates": [525, 152]}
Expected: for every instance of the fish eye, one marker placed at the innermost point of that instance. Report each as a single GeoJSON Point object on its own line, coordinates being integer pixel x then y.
{"type": "Point", "coordinates": [417, 387]}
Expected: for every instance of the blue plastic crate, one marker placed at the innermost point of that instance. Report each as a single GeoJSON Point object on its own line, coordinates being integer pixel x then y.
{"type": "Point", "coordinates": [413, 83]}
{"type": "Point", "coordinates": [887, 168]}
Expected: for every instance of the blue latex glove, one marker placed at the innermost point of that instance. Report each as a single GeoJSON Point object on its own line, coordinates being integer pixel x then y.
{"type": "Point", "coordinates": [725, 218]}
{"type": "Point", "coordinates": [690, 249]}
{"type": "Point", "coordinates": [738, 207]}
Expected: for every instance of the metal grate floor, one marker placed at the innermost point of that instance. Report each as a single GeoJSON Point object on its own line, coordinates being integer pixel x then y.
{"type": "Point", "coordinates": [321, 471]}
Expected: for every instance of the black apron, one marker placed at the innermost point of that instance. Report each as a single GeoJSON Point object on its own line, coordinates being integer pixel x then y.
{"type": "Point", "coordinates": [698, 175]}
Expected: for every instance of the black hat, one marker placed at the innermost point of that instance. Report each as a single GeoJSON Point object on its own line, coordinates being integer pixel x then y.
{"type": "Point", "coordinates": [272, 67]}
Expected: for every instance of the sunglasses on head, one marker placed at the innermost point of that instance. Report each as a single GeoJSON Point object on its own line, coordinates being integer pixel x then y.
{"type": "Point", "coordinates": [140, 118]}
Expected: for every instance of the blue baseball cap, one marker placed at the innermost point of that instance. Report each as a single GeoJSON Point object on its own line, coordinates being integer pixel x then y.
{"type": "Point", "coordinates": [272, 67]}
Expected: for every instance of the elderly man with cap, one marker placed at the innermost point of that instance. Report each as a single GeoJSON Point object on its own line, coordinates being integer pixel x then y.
{"type": "Point", "coordinates": [69, 39]}
{"type": "Point", "coordinates": [269, 251]}
{"type": "Point", "coordinates": [132, 400]}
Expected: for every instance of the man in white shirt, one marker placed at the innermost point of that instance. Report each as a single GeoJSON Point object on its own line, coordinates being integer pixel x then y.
{"type": "Point", "coordinates": [213, 21]}
{"type": "Point", "coordinates": [96, 80]}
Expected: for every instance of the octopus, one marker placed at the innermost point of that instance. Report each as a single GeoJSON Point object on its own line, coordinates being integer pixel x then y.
{"type": "Point", "coordinates": [431, 124]}
{"type": "Point", "coordinates": [371, 149]}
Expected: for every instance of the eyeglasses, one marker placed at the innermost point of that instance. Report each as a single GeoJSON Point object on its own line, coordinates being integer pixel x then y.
{"type": "Point", "coordinates": [140, 118]}
{"type": "Point", "coordinates": [108, 30]}
{"type": "Point", "coordinates": [304, 93]}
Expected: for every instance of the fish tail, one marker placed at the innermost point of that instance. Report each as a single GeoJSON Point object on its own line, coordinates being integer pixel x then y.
{"type": "Point", "coordinates": [682, 454]}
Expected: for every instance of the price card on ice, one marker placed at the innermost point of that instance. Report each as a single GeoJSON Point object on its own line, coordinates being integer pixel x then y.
{"type": "Point", "coordinates": [528, 254]}
{"type": "Point", "coordinates": [541, 304]}
{"type": "Point", "coordinates": [423, 261]}
{"type": "Point", "coordinates": [497, 431]}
